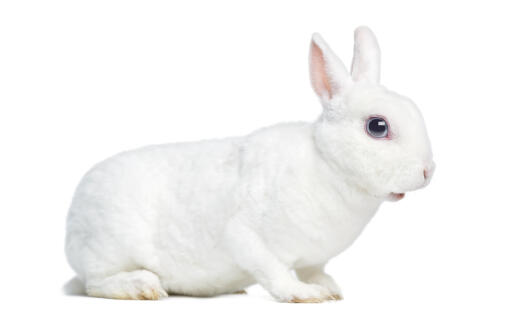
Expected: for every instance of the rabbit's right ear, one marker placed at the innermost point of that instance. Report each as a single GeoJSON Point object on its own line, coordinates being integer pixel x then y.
{"type": "Point", "coordinates": [366, 56]}
{"type": "Point", "coordinates": [328, 74]}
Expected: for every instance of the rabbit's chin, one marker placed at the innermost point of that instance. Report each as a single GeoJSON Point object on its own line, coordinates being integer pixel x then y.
{"type": "Point", "coordinates": [395, 196]}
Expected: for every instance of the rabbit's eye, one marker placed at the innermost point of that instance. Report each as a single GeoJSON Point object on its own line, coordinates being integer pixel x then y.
{"type": "Point", "coordinates": [377, 127]}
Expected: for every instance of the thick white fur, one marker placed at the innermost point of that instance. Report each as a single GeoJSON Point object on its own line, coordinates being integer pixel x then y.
{"type": "Point", "coordinates": [216, 216]}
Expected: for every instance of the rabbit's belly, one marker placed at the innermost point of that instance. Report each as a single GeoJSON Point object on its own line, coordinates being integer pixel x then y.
{"type": "Point", "coordinates": [216, 276]}
{"type": "Point", "coordinates": [191, 256]}
{"type": "Point", "coordinates": [207, 285]}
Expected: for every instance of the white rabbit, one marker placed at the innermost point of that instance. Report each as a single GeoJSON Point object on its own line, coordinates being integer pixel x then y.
{"type": "Point", "coordinates": [216, 216]}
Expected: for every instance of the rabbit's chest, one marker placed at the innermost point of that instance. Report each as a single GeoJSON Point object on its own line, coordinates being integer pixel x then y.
{"type": "Point", "coordinates": [330, 237]}
{"type": "Point", "coordinates": [321, 225]}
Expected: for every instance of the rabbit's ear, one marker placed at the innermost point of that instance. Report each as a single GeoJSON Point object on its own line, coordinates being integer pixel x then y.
{"type": "Point", "coordinates": [366, 56]}
{"type": "Point", "coordinates": [328, 74]}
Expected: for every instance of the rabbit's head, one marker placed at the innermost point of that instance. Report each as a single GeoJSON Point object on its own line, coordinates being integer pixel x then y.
{"type": "Point", "coordinates": [374, 137]}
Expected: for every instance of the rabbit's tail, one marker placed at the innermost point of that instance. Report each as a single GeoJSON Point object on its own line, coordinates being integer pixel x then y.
{"type": "Point", "coordinates": [74, 287]}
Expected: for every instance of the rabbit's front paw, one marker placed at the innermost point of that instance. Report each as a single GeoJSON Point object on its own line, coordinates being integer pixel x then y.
{"type": "Point", "coordinates": [326, 281]}
{"type": "Point", "coordinates": [316, 276]}
{"type": "Point", "coordinates": [298, 292]}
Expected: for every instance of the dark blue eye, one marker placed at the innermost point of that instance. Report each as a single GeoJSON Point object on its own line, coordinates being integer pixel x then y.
{"type": "Point", "coordinates": [377, 127]}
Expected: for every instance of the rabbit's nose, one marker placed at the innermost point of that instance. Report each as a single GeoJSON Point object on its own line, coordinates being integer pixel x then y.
{"type": "Point", "coordinates": [428, 171]}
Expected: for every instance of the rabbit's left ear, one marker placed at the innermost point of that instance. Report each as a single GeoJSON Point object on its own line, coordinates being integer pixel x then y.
{"type": "Point", "coordinates": [366, 56]}
{"type": "Point", "coordinates": [328, 75]}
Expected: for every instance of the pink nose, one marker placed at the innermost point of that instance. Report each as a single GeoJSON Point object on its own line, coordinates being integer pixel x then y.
{"type": "Point", "coordinates": [428, 171]}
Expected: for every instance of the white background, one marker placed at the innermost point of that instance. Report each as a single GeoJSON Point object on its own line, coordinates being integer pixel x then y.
{"type": "Point", "coordinates": [82, 80]}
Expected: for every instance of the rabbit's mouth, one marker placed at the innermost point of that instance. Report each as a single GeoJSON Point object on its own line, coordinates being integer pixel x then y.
{"type": "Point", "coordinates": [396, 196]}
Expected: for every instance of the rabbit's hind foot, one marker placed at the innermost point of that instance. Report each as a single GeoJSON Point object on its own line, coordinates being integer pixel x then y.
{"type": "Point", "coordinates": [135, 285]}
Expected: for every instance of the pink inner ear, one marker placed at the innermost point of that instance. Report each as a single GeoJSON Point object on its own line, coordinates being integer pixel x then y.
{"type": "Point", "coordinates": [319, 77]}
